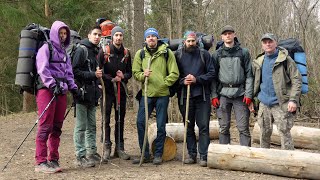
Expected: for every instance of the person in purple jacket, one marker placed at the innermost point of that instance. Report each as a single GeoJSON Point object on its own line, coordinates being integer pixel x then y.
{"type": "Point", "coordinates": [55, 79]}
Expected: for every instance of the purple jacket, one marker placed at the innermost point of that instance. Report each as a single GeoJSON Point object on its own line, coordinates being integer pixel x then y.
{"type": "Point", "coordinates": [61, 67]}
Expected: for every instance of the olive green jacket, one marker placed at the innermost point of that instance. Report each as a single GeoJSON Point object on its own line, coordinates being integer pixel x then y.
{"type": "Point", "coordinates": [285, 76]}
{"type": "Point", "coordinates": [164, 72]}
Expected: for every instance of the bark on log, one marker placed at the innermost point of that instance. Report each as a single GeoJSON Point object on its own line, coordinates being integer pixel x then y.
{"type": "Point", "coordinates": [303, 137]}
{"type": "Point", "coordinates": [176, 131]}
{"type": "Point", "coordinates": [287, 163]}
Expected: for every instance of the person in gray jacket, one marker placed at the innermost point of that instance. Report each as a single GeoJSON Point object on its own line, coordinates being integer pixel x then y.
{"type": "Point", "coordinates": [233, 88]}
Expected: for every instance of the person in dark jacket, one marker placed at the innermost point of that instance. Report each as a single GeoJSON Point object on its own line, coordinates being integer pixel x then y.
{"type": "Point", "coordinates": [197, 70]}
{"type": "Point", "coordinates": [56, 79]}
{"type": "Point", "coordinates": [233, 88]}
{"type": "Point", "coordinates": [116, 66]}
{"type": "Point", "coordinates": [86, 74]}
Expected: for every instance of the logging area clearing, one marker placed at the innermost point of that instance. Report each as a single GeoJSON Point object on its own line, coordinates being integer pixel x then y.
{"type": "Point", "coordinates": [13, 129]}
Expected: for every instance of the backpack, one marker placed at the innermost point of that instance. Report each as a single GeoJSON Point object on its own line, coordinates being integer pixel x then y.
{"type": "Point", "coordinates": [297, 53]}
{"type": "Point", "coordinates": [203, 41]}
{"type": "Point", "coordinates": [74, 43]}
{"type": "Point", "coordinates": [105, 41]}
{"type": "Point", "coordinates": [32, 37]}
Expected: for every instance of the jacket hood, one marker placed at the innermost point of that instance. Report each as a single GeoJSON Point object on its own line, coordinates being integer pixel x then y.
{"type": "Point", "coordinates": [54, 35]}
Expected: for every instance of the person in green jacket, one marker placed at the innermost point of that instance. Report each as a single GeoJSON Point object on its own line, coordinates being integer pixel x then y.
{"type": "Point", "coordinates": [162, 73]}
{"type": "Point", "coordinates": [277, 85]}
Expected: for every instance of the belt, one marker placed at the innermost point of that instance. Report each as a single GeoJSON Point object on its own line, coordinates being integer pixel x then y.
{"type": "Point", "coordinates": [231, 85]}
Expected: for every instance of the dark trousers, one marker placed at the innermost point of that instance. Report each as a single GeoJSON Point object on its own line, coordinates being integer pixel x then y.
{"type": "Point", "coordinates": [161, 105]}
{"type": "Point", "coordinates": [111, 100]}
{"type": "Point", "coordinates": [199, 112]}
{"type": "Point", "coordinates": [242, 114]}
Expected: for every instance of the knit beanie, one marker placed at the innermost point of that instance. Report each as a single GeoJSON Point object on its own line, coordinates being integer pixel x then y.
{"type": "Point", "coordinates": [151, 31]}
{"type": "Point", "coordinates": [189, 34]}
{"type": "Point", "coordinates": [116, 29]}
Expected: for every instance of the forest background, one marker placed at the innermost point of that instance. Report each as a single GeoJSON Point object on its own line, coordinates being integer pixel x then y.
{"type": "Point", "coordinates": [250, 18]}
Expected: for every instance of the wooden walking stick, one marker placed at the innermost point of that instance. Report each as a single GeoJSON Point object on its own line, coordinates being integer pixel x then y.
{"type": "Point", "coordinates": [145, 139]}
{"type": "Point", "coordinates": [118, 104]}
{"type": "Point", "coordinates": [186, 120]}
{"type": "Point", "coordinates": [103, 111]}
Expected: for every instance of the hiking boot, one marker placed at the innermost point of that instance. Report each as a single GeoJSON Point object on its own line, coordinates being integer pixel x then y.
{"type": "Point", "coordinates": [137, 160]}
{"type": "Point", "coordinates": [203, 163]}
{"type": "Point", "coordinates": [157, 160]}
{"type": "Point", "coordinates": [121, 154]}
{"type": "Point", "coordinates": [106, 153]}
{"type": "Point", "coordinates": [190, 160]}
{"type": "Point", "coordinates": [55, 164]}
{"type": "Point", "coordinates": [95, 158]}
{"type": "Point", "coordinates": [44, 168]}
{"type": "Point", "coordinates": [84, 162]}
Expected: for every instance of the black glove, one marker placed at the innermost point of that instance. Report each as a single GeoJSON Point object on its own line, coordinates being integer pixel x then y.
{"type": "Point", "coordinates": [77, 93]}
{"type": "Point", "coordinates": [57, 90]}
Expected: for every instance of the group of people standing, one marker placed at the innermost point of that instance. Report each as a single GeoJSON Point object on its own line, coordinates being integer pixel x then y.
{"type": "Point", "coordinates": [228, 79]}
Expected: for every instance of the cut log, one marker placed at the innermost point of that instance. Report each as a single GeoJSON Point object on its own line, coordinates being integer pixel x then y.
{"type": "Point", "coordinates": [287, 163]}
{"type": "Point", "coordinates": [176, 131]}
{"type": "Point", "coordinates": [175, 134]}
{"type": "Point", "coordinates": [303, 137]}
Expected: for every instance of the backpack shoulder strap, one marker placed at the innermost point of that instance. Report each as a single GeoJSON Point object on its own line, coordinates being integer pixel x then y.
{"type": "Point", "coordinates": [142, 54]}
{"type": "Point", "coordinates": [244, 51]}
{"type": "Point", "coordinates": [126, 53]}
{"type": "Point", "coordinates": [50, 52]}
{"type": "Point", "coordinates": [86, 54]}
{"type": "Point", "coordinates": [166, 54]}
{"type": "Point", "coordinates": [202, 56]}
{"type": "Point", "coordinates": [107, 53]}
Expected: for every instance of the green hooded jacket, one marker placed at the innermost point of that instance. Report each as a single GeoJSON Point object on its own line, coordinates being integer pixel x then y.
{"type": "Point", "coordinates": [286, 80]}
{"type": "Point", "coordinates": [164, 72]}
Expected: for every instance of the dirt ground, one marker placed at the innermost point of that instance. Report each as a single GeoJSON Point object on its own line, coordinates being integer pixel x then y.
{"type": "Point", "coordinates": [13, 129]}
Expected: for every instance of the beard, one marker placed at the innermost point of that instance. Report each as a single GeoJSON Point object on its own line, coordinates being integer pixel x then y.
{"type": "Point", "coordinates": [191, 49]}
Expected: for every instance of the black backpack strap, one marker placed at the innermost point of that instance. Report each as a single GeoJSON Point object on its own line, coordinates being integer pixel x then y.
{"type": "Point", "coordinates": [86, 54]}
{"type": "Point", "coordinates": [202, 56]}
{"type": "Point", "coordinates": [142, 54]}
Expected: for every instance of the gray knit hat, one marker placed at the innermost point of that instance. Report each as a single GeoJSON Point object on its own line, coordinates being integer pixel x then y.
{"type": "Point", "coordinates": [116, 29]}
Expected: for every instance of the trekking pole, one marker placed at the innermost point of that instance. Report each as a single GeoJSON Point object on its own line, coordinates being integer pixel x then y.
{"type": "Point", "coordinates": [48, 105]}
{"type": "Point", "coordinates": [146, 116]}
{"type": "Point", "coordinates": [65, 116]}
{"type": "Point", "coordinates": [186, 120]}
{"type": "Point", "coordinates": [119, 118]}
{"type": "Point", "coordinates": [103, 114]}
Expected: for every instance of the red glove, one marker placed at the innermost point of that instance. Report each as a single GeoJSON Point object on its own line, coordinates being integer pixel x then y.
{"type": "Point", "coordinates": [215, 102]}
{"type": "Point", "coordinates": [247, 100]}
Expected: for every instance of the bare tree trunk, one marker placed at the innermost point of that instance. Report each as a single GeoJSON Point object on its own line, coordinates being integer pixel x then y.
{"type": "Point", "coordinates": [46, 8]}
{"type": "Point", "coordinates": [138, 27]}
{"type": "Point", "coordinates": [28, 103]}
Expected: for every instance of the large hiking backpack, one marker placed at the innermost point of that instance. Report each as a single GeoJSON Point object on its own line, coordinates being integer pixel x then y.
{"type": "Point", "coordinates": [32, 37]}
{"type": "Point", "coordinates": [203, 41]}
{"type": "Point", "coordinates": [297, 53]}
{"type": "Point", "coordinates": [75, 39]}
{"type": "Point", "coordinates": [105, 41]}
